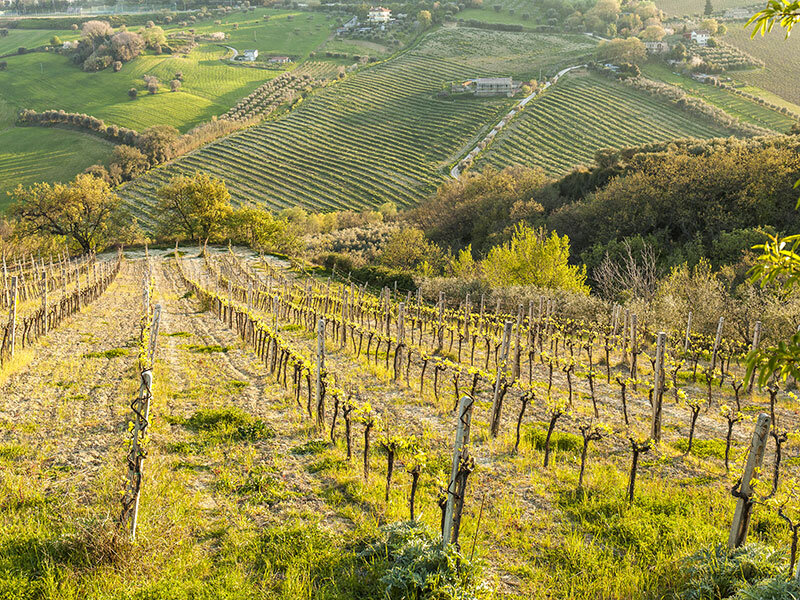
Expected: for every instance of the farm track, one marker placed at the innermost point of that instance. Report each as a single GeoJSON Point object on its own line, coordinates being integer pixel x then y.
{"type": "Point", "coordinates": [188, 381]}
{"type": "Point", "coordinates": [70, 408]}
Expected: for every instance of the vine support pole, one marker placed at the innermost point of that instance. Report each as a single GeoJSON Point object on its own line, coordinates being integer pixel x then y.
{"type": "Point", "coordinates": [753, 348]}
{"type": "Point", "coordinates": [320, 367]}
{"type": "Point", "coordinates": [744, 506]}
{"type": "Point", "coordinates": [12, 317]}
{"type": "Point", "coordinates": [497, 402]}
{"type": "Point", "coordinates": [45, 299]}
{"type": "Point", "coordinates": [688, 332]}
{"type": "Point", "coordinates": [717, 340]}
{"type": "Point", "coordinates": [459, 452]}
{"type": "Point", "coordinates": [658, 384]}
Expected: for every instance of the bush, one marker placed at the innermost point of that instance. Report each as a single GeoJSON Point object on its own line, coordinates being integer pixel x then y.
{"type": "Point", "coordinates": [722, 573]}
{"type": "Point", "coordinates": [3, 65]}
{"type": "Point", "coordinates": [418, 567]}
{"type": "Point", "coordinates": [132, 93]}
{"type": "Point", "coordinates": [152, 87]}
{"type": "Point", "coordinates": [174, 85]}
{"type": "Point", "coordinates": [117, 66]}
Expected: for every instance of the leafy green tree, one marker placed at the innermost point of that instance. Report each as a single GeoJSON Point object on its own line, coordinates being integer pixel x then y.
{"type": "Point", "coordinates": [424, 18]}
{"type": "Point", "coordinates": [534, 258]}
{"type": "Point", "coordinates": [261, 230]}
{"type": "Point", "coordinates": [80, 211]}
{"type": "Point", "coordinates": [408, 248]}
{"type": "Point", "coordinates": [157, 142]}
{"type": "Point", "coordinates": [709, 9]}
{"type": "Point", "coordinates": [618, 51]}
{"type": "Point", "coordinates": [195, 205]}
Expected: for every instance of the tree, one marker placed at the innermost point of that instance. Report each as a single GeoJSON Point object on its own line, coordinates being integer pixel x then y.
{"type": "Point", "coordinates": [709, 9]}
{"type": "Point", "coordinates": [424, 18]}
{"type": "Point", "coordinates": [653, 33]}
{"type": "Point", "coordinates": [262, 231]}
{"type": "Point", "coordinates": [710, 24]}
{"type": "Point", "coordinates": [96, 31]}
{"type": "Point", "coordinates": [55, 41]}
{"type": "Point", "coordinates": [153, 36]}
{"type": "Point", "coordinates": [132, 93]}
{"type": "Point", "coordinates": [605, 10]}
{"type": "Point", "coordinates": [3, 32]}
{"type": "Point", "coordinates": [196, 205]}
{"type": "Point", "coordinates": [534, 258]}
{"type": "Point", "coordinates": [156, 142]}
{"type": "Point", "coordinates": [618, 51]}
{"type": "Point", "coordinates": [126, 46]}
{"type": "Point", "coordinates": [174, 85]}
{"type": "Point", "coordinates": [407, 249]}
{"type": "Point", "coordinates": [130, 161]}
{"type": "Point", "coordinates": [3, 65]}
{"type": "Point", "coordinates": [81, 210]}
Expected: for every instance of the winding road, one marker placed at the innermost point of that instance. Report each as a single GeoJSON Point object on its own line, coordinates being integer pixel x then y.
{"type": "Point", "coordinates": [455, 172]}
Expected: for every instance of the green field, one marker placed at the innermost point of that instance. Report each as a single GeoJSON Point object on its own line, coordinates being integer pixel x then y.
{"type": "Point", "coordinates": [585, 113]}
{"type": "Point", "coordinates": [696, 7]}
{"type": "Point", "coordinates": [211, 85]}
{"type": "Point", "coordinates": [742, 108]}
{"type": "Point", "coordinates": [510, 12]}
{"type": "Point", "coordinates": [521, 55]}
{"type": "Point", "coordinates": [781, 57]}
{"type": "Point", "coordinates": [31, 38]}
{"type": "Point", "coordinates": [381, 135]}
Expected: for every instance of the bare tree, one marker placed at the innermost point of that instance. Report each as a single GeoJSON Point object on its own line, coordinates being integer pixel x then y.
{"type": "Point", "coordinates": [634, 271]}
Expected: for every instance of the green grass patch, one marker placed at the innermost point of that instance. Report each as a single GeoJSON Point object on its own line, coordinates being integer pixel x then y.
{"type": "Point", "coordinates": [212, 349]}
{"type": "Point", "coordinates": [703, 448]}
{"type": "Point", "coordinates": [13, 451]}
{"type": "Point", "coordinates": [113, 353]}
{"type": "Point", "coordinates": [310, 447]}
{"type": "Point", "coordinates": [228, 424]}
{"type": "Point", "coordinates": [562, 441]}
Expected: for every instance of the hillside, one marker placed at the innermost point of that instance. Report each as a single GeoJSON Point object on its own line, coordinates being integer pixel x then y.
{"type": "Point", "coordinates": [585, 113]}
{"type": "Point", "coordinates": [381, 135]}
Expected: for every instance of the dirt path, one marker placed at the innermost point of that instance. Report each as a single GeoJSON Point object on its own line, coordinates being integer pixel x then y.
{"type": "Point", "coordinates": [203, 365]}
{"type": "Point", "coordinates": [69, 404]}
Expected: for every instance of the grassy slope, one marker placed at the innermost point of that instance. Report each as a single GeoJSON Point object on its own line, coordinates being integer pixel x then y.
{"type": "Point", "coordinates": [735, 105]}
{"type": "Point", "coordinates": [211, 86]}
{"type": "Point", "coordinates": [583, 114]}
{"type": "Point", "coordinates": [17, 38]}
{"type": "Point", "coordinates": [380, 135]}
{"type": "Point", "coordinates": [782, 59]}
{"type": "Point", "coordinates": [696, 7]}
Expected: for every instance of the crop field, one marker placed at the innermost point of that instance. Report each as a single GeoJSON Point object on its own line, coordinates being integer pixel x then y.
{"type": "Point", "coordinates": [583, 114]}
{"type": "Point", "coordinates": [378, 136]}
{"type": "Point", "coordinates": [519, 55]}
{"type": "Point", "coordinates": [781, 57]}
{"type": "Point", "coordinates": [742, 108]}
{"type": "Point", "coordinates": [510, 12]}
{"type": "Point", "coordinates": [31, 38]}
{"type": "Point", "coordinates": [680, 8]}
{"type": "Point", "coordinates": [249, 485]}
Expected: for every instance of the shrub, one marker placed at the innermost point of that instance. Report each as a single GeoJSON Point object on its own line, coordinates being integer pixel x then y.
{"type": "Point", "coordinates": [132, 93]}
{"type": "Point", "coordinates": [3, 65]}
{"type": "Point", "coordinates": [174, 85]}
{"type": "Point", "coordinates": [117, 66]}
{"type": "Point", "coordinates": [152, 87]}
{"type": "Point", "coordinates": [22, 50]}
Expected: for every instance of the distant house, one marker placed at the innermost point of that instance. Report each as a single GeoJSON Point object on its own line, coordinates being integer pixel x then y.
{"type": "Point", "coordinates": [280, 60]}
{"type": "Point", "coordinates": [704, 78]}
{"type": "Point", "coordinates": [348, 26]}
{"type": "Point", "coordinates": [657, 47]}
{"type": "Point", "coordinates": [700, 37]}
{"type": "Point", "coordinates": [494, 86]}
{"type": "Point", "coordinates": [378, 14]}
{"type": "Point", "coordinates": [249, 55]}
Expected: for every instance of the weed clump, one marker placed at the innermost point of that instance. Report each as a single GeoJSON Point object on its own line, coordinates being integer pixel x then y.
{"type": "Point", "coordinates": [231, 423]}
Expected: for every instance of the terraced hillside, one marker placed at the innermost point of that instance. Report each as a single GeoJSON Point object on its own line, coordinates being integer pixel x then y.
{"type": "Point", "coordinates": [381, 135]}
{"type": "Point", "coordinates": [585, 113]}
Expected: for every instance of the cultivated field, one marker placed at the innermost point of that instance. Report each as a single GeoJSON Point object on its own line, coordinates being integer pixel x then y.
{"type": "Point", "coordinates": [585, 113]}
{"type": "Point", "coordinates": [782, 59]}
{"type": "Point", "coordinates": [381, 135]}
{"type": "Point", "coordinates": [241, 490]}
{"type": "Point", "coordinates": [742, 108]}
{"type": "Point", "coordinates": [680, 8]}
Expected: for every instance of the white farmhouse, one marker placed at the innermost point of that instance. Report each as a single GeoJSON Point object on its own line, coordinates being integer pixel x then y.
{"type": "Point", "coordinates": [700, 37]}
{"type": "Point", "coordinates": [378, 14]}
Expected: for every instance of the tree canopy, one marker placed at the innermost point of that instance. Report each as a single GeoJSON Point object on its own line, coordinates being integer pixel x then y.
{"type": "Point", "coordinates": [195, 205]}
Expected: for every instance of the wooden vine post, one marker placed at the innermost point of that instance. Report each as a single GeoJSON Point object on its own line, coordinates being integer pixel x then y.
{"type": "Point", "coordinates": [45, 299]}
{"type": "Point", "coordinates": [320, 367]}
{"type": "Point", "coordinates": [12, 315]}
{"type": "Point", "coordinates": [753, 348]}
{"type": "Point", "coordinates": [136, 455]}
{"type": "Point", "coordinates": [717, 340]}
{"type": "Point", "coordinates": [688, 332]}
{"type": "Point", "coordinates": [658, 386]}
{"type": "Point", "coordinates": [744, 506]}
{"type": "Point", "coordinates": [497, 402]}
{"type": "Point", "coordinates": [455, 500]}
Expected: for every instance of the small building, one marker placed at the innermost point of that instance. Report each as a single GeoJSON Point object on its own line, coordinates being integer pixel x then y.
{"type": "Point", "coordinates": [249, 55]}
{"type": "Point", "coordinates": [379, 14]}
{"type": "Point", "coordinates": [661, 47]}
{"type": "Point", "coordinates": [352, 23]}
{"type": "Point", "coordinates": [704, 78]}
{"type": "Point", "coordinates": [280, 60]}
{"type": "Point", "coordinates": [700, 37]}
{"type": "Point", "coordinates": [494, 86]}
